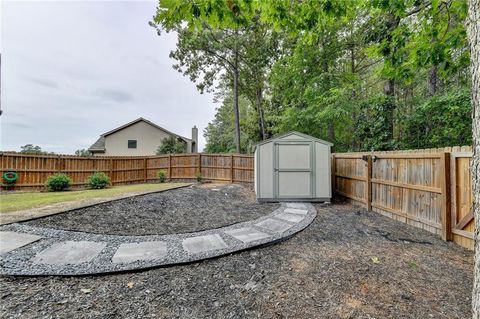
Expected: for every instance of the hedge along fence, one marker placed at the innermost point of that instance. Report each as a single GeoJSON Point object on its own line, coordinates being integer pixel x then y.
{"type": "Point", "coordinates": [430, 189]}
{"type": "Point", "coordinates": [33, 170]}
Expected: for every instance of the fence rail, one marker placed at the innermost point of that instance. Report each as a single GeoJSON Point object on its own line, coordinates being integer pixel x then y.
{"type": "Point", "coordinates": [430, 189]}
{"type": "Point", "coordinates": [33, 170]}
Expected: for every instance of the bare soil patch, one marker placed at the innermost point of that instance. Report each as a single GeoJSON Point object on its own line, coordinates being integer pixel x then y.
{"type": "Point", "coordinates": [190, 209]}
{"type": "Point", "coordinates": [326, 271]}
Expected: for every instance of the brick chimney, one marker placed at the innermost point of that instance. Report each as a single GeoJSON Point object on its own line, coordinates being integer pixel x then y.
{"type": "Point", "coordinates": [194, 139]}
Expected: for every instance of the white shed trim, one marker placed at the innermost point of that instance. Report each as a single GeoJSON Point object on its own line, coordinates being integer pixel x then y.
{"type": "Point", "coordinates": [293, 133]}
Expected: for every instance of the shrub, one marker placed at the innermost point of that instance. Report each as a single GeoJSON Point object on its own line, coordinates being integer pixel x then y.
{"type": "Point", "coordinates": [198, 176]}
{"type": "Point", "coordinates": [98, 180]}
{"type": "Point", "coordinates": [162, 175]}
{"type": "Point", "coordinates": [58, 182]}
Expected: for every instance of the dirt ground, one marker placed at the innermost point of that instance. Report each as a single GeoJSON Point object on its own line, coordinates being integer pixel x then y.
{"type": "Point", "coordinates": [348, 263]}
{"type": "Point", "coordinates": [190, 209]}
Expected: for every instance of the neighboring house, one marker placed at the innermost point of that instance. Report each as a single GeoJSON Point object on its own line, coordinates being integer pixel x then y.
{"type": "Point", "coordinates": [139, 137]}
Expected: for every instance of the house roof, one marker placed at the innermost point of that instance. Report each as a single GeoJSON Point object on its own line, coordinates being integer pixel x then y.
{"type": "Point", "coordinates": [99, 145]}
{"type": "Point", "coordinates": [293, 133]}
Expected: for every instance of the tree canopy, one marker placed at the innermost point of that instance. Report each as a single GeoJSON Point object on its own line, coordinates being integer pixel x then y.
{"type": "Point", "coordinates": [171, 145]}
{"type": "Point", "coordinates": [369, 74]}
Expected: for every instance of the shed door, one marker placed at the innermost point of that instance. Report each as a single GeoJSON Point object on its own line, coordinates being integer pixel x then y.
{"type": "Point", "coordinates": [293, 169]}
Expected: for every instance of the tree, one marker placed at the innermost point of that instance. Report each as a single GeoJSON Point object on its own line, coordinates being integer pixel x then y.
{"type": "Point", "coordinates": [83, 152]}
{"type": "Point", "coordinates": [210, 36]}
{"type": "Point", "coordinates": [473, 29]}
{"type": "Point", "coordinates": [440, 121]}
{"type": "Point", "coordinates": [171, 145]}
{"type": "Point", "coordinates": [219, 133]}
{"type": "Point", "coordinates": [261, 49]}
{"type": "Point", "coordinates": [32, 149]}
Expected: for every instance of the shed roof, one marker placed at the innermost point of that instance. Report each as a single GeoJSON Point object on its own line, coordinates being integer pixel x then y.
{"type": "Point", "coordinates": [293, 133]}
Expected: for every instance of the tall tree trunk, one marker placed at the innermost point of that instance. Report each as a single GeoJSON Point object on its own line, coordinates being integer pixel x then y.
{"type": "Point", "coordinates": [473, 31]}
{"type": "Point", "coordinates": [432, 82]}
{"type": "Point", "coordinates": [389, 86]}
{"type": "Point", "coordinates": [261, 117]}
{"type": "Point", "coordinates": [326, 69]}
{"type": "Point", "coordinates": [389, 91]}
{"type": "Point", "coordinates": [235, 99]}
{"type": "Point", "coordinates": [331, 134]}
{"type": "Point", "coordinates": [353, 70]}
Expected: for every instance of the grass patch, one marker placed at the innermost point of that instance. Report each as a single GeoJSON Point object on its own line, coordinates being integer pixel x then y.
{"type": "Point", "coordinates": [28, 200]}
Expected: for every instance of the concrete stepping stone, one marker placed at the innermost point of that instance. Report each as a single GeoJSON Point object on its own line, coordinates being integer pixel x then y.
{"type": "Point", "coordinates": [274, 225]}
{"type": "Point", "coordinates": [199, 244]}
{"type": "Point", "coordinates": [246, 234]}
{"type": "Point", "coordinates": [296, 205]}
{"type": "Point", "coordinates": [296, 211]}
{"type": "Point", "coordinates": [10, 240]}
{"type": "Point", "coordinates": [146, 250]}
{"type": "Point", "coordinates": [294, 218]}
{"type": "Point", "coordinates": [69, 252]}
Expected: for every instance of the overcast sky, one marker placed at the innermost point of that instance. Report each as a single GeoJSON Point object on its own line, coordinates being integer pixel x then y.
{"type": "Point", "coordinates": [74, 70]}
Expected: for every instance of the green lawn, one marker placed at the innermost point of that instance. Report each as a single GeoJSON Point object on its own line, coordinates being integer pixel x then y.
{"type": "Point", "coordinates": [27, 200]}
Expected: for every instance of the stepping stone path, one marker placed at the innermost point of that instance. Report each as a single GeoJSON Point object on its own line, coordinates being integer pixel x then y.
{"type": "Point", "coordinates": [295, 218]}
{"type": "Point", "coordinates": [30, 251]}
{"type": "Point", "coordinates": [200, 244]}
{"type": "Point", "coordinates": [274, 225]}
{"type": "Point", "coordinates": [128, 253]}
{"type": "Point", "coordinates": [10, 240]}
{"type": "Point", "coordinates": [247, 234]}
{"type": "Point", "coordinates": [69, 252]}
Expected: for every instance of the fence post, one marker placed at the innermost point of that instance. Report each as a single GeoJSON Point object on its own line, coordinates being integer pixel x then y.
{"type": "Point", "coordinates": [333, 171]}
{"type": "Point", "coordinates": [145, 170]}
{"type": "Point", "coordinates": [446, 202]}
{"type": "Point", "coordinates": [199, 163]}
{"type": "Point", "coordinates": [111, 171]}
{"type": "Point", "coordinates": [369, 183]}
{"type": "Point", "coordinates": [231, 168]}
{"type": "Point", "coordinates": [170, 167]}
{"type": "Point", "coordinates": [61, 164]}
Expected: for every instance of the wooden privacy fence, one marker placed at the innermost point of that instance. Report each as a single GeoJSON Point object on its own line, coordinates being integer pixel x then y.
{"type": "Point", "coordinates": [430, 189]}
{"type": "Point", "coordinates": [33, 170]}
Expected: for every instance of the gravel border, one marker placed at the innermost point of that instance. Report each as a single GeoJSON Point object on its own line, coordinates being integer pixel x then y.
{"type": "Point", "coordinates": [18, 262]}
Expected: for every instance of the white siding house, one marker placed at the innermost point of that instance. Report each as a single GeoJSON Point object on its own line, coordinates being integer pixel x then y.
{"type": "Point", "coordinates": [138, 138]}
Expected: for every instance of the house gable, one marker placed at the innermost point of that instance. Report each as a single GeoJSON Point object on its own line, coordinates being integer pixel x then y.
{"type": "Point", "coordinates": [139, 137]}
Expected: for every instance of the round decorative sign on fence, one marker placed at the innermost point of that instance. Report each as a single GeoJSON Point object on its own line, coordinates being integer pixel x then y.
{"type": "Point", "coordinates": [10, 177]}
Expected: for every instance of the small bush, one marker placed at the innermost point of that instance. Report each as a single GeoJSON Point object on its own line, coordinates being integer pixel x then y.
{"type": "Point", "coordinates": [58, 182]}
{"type": "Point", "coordinates": [98, 180]}
{"type": "Point", "coordinates": [198, 176]}
{"type": "Point", "coordinates": [162, 175]}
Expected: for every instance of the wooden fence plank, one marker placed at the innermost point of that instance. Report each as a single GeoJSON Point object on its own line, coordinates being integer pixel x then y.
{"type": "Point", "coordinates": [368, 189]}
{"type": "Point", "coordinates": [446, 217]}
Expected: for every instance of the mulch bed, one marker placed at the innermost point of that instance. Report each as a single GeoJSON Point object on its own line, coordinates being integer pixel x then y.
{"type": "Point", "coordinates": [190, 209]}
{"type": "Point", "coordinates": [326, 271]}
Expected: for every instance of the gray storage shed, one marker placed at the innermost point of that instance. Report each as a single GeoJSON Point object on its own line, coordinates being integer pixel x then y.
{"type": "Point", "coordinates": [293, 167]}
